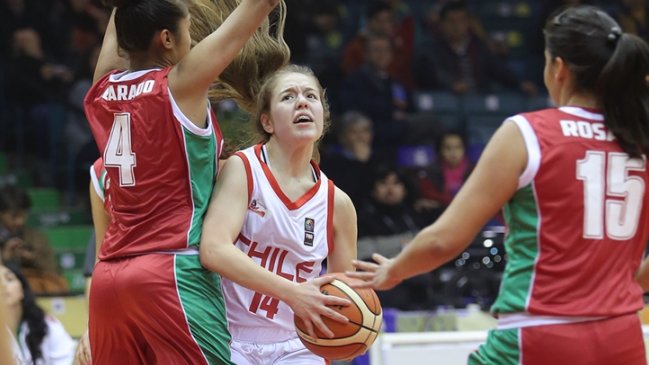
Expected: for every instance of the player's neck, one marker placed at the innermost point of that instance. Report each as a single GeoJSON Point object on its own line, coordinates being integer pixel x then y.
{"type": "Point", "coordinates": [580, 100]}
{"type": "Point", "coordinates": [289, 161]}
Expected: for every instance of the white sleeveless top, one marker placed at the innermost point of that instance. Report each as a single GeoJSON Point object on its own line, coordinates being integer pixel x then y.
{"type": "Point", "coordinates": [291, 239]}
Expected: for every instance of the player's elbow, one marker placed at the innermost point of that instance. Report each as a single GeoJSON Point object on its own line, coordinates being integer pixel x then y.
{"type": "Point", "coordinates": [210, 256]}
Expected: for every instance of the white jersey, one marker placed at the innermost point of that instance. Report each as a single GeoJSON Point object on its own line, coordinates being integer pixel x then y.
{"type": "Point", "coordinates": [291, 239]}
{"type": "Point", "coordinates": [57, 348]}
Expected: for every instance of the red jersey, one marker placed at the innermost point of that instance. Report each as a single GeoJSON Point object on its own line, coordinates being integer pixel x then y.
{"type": "Point", "coordinates": [161, 166]}
{"type": "Point", "coordinates": [579, 223]}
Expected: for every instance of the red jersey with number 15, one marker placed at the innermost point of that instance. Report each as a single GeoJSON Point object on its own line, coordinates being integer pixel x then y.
{"type": "Point", "coordinates": [579, 222]}
{"type": "Point", "coordinates": [162, 167]}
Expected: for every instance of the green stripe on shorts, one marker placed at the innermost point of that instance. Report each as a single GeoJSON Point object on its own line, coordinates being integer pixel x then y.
{"type": "Point", "coordinates": [501, 348]}
{"type": "Point", "coordinates": [202, 301]}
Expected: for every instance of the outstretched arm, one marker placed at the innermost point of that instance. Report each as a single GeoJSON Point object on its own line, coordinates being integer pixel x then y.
{"type": "Point", "coordinates": [345, 233]}
{"type": "Point", "coordinates": [221, 227]}
{"type": "Point", "coordinates": [492, 183]}
{"type": "Point", "coordinates": [109, 58]}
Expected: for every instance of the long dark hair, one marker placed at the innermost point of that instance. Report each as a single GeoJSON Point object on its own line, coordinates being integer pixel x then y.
{"type": "Point", "coordinates": [611, 64]}
{"type": "Point", "coordinates": [33, 315]}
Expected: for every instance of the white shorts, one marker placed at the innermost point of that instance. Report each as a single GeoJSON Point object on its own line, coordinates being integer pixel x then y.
{"type": "Point", "coordinates": [290, 352]}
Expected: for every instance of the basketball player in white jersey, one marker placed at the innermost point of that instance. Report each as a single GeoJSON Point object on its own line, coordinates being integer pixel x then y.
{"type": "Point", "coordinates": [272, 201]}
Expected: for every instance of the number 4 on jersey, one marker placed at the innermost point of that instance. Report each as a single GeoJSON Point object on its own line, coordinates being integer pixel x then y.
{"type": "Point", "coordinates": [119, 152]}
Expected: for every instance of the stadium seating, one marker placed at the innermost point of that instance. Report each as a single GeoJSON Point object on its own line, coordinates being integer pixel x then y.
{"type": "Point", "coordinates": [69, 244]}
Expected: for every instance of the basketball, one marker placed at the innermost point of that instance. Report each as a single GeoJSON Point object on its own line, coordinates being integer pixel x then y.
{"type": "Point", "coordinates": [350, 339]}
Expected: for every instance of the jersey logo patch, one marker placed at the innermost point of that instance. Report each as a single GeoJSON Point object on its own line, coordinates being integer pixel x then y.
{"type": "Point", "coordinates": [309, 228]}
{"type": "Point", "coordinates": [257, 207]}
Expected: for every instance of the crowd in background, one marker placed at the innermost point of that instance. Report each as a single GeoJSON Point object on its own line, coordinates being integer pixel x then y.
{"type": "Point", "coordinates": [373, 56]}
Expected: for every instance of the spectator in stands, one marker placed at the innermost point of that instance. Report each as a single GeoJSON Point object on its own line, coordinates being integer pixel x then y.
{"type": "Point", "coordinates": [27, 248]}
{"type": "Point", "coordinates": [36, 90]}
{"type": "Point", "coordinates": [354, 152]}
{"type": "Point", "coordinates": [457, 61]}
{"type": "Point", "coordinates": [380, 21]}
{"type": "Point", "coordinates": [387, 221]}
{"type": "Point", "coordinates": [439, 184]}
{"type": "Point", "coordinates": [324, 42]}
{"type": "Point", "coordinates": [42, 339]}
{"type": "Point", "coordinates": [373, 91]}
{"type": "Point", "coordinates": [634, 17]}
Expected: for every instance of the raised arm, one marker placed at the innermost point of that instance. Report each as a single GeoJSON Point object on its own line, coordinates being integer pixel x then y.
{"type": "Point", "coordinates": [191, 78]}
{"type": "Point", "coordinates": [221, 227]}
{"type": "Point", "coordinates": [109, 58]}
{"type": "Point", "coordinates": [492, 183]}
{"type": "Point", "coordinates": [345, 234]}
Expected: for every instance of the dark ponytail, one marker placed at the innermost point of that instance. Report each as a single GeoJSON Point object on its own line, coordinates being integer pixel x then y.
{"type": "Point", "coordinates": [624, 96]}
{"type": "Point", "coordinates": [610, 64]}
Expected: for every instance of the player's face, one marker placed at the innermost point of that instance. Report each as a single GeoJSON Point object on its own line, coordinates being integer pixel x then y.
{"type": "Point", "coordinates": [296, 111]}
{"type": "Point", "coordinates": [13, 289]}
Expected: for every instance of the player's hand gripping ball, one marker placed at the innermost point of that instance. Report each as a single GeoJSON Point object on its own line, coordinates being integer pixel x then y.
{"type": "Point", "coordinates": [350, 339]}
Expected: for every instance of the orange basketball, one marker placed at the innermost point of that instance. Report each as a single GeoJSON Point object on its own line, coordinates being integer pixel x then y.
{"type": "Point", "coordinates": [356, 336]}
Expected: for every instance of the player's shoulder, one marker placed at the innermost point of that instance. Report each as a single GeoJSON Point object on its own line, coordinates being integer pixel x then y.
{"type": "Point", "coordinates": [342, 201]}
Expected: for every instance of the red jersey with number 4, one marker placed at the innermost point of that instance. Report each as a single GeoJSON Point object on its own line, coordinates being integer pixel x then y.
{"type": "Point", "coordinates": [579, 223]}
{"type": "Point", "coordinates": [161, 166]}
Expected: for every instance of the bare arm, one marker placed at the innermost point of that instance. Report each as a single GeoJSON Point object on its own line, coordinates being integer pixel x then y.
{"type": "Point", "coordinates": [221, 227]}
{"type": "Point", "coordinates": [100, 218]}
{"type": "Point", "coordinates": [492, 183]}
{"type": "Point", "coordinates": [191, 78]}
{"type": "Point", "coordinates": [345, 233]}
{"type": "Point", "coordinates": [109, 58]}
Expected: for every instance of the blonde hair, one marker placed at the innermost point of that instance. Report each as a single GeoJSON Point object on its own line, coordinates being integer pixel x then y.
{"type": "Point", "coordinates": [264, 53]}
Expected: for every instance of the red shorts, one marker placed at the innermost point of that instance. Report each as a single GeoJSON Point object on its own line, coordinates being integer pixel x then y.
{"type": "Point", "coordinates": [612, 341]}
{"type": "Point", "coordinates": [157, 309]}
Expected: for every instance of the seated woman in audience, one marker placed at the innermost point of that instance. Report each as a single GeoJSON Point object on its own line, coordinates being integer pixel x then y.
{"type": "Point", "coordinates": [439, 183]}
{"type": "Point", "coordinates": [27, 248]}
{"type": "Point", "coordinates": [42, 340]}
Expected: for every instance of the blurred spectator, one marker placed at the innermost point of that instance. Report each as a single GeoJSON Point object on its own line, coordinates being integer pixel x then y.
{"type": "Point", "coordinates": [374, 92]}
{"type": "Point", "coordinates": [432, 26]}
{"type": "Point", "coordinates": [634, 17]}
{"type": "Point", "coordinates": [42, 339]}
{"type": "Point", "coordinates": [19, 14]}
{"type": "Point", "coordinates": [387, 222]}
{"type": "Point", "coordinates": [456, 60]}
{"type": "Point", "coordinates": [36, 90]}
{"type": "Point", "coordinates": [439, 183]}
{"type": "Point", "coordinates": [548, 9]}
{"type": "Point", "coordinates": [27, 248]}
{"type": "Point", "coordinates": [354, 153]}
{"type": "Point", "coordinates": [324, 41]}
{"type": "Point", "coordinates": [380, 21]}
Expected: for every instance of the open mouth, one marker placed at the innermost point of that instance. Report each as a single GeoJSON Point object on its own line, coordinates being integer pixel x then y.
{"type": "Point", "coordinates": [302, 119]}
